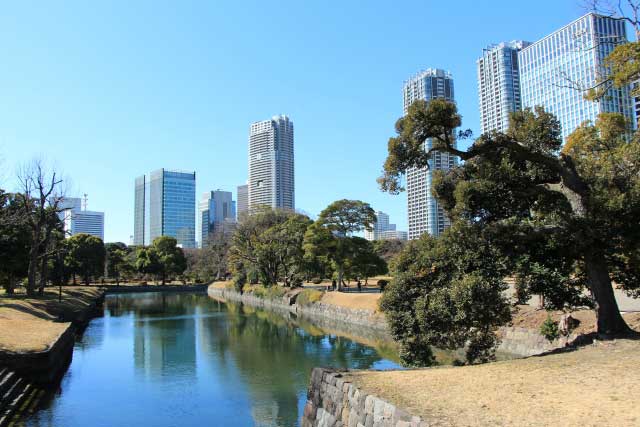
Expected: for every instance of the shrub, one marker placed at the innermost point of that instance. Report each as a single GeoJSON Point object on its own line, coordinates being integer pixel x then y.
{"type": "Point", "coordinates": [316, 281]}
{"type": "Point", "coordinates": [382, 284]}
{"type": "Point", "coordinates": [239, 281]}
{"type": "Point", "coordinates": [549, 329]}
{"type": "Point", "coordinates": [309, 296]}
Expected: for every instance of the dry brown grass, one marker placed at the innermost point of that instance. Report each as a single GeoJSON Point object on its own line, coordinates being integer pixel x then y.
{"type": "Point", "coordinates": [353, 300]}
{"type": "Point", "coordinates": [31, 324]}
{"type": "Point", "coordinates": [594, 386]}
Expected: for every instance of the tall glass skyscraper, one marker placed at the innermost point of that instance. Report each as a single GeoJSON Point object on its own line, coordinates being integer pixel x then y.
{"type": "Point", "coordinates": [499, 85]}
{"type": "Point", "coordinates": [425, 214]}
{"type": "Point", "coordinates": [165, 205]}
{"type": "Point", "coordinates": [556, 71]}
{"type": "Point", "coordinates": [271, 164]}
{"type": "Point", "coordinates": [217, 212]}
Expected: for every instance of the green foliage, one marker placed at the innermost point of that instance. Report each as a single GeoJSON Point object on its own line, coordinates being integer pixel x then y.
{"type": "Point", "coordinates": [549, 329]}
{"type": "Point", "coordinates": [561, 220]}
{"type": "Point", "coordinates": [388, 249]}
{"type": "Point", "coordinates": [170, 258]}
{"type": "Point", "coordinates": [448, 293]}
{"type": "Point", "coordinates": [382, 284]}
{"type": "Point", "coordinates": [117, 262]}
{"type": "Point", "coordinates": [270, 293]}
{"type": "Point", "coordinates": [85, 256]}
{"type": "Point", "coordinates": [308, 297]}
{"type": "Point", "coordinates": [269, 243]}
{"type": "Point", "coordinates": [329, 238]}
{"type": "Point", "coordinates": [239, 281]}
{"type": "Point", "coordinates": [14, 242]}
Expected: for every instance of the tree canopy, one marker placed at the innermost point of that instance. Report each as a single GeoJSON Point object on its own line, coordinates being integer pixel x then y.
{"type": "Point", "coordinates": [562, 218]}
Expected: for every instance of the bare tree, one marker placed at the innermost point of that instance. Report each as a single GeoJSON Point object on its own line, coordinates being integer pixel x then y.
{"type": "Point", "coordinates": [40, 195]}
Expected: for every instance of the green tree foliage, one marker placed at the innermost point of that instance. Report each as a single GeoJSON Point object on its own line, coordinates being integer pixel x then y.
{"type": "Point", "coordinates": [147, 261]}
{"type": "Point", "coordinates": [330, 236]}
{"type": "Point", "coordinates": [117, 261]}
{"type": "Point", "coordinates": [269, 242]}
{"type": "Point", "coordinates": [363, 261]}
{"type": "Point", "coordinates": [170, 258]}
{"type": "Point", "coordinates": [447, 293]}
{"type": "Point", "coordinates": [14, 242]}
{"type": "Point", "coordinates": [388, 249]}
{"type": "Point", "coordinates": [85, 256]}
{"type": "Point", "coordinates": [562, 220]}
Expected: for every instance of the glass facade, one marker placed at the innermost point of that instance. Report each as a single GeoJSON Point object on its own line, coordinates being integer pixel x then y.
{"type": "Point", "coordinates": [166, 207]}
{"type": "Point", "coordinates": [217, 212]}
{"type": "Point", "coordinates": [499, 85]}
{"type": "Point", "coordinates": [425, 214]}
{"type": "Point", "coordinates": [556, 72]}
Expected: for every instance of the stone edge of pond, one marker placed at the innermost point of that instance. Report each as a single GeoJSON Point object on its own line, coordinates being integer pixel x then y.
{"type": "Point", "coordinates": [515, 341]}
{"type": "Point", "coordinates": [334, 401]}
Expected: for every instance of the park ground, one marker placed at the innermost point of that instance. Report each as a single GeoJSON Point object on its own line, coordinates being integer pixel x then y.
{"type": "Point", "coordinates": [596, 385]}
{"type": "Point", "coordinates": [34, 324]}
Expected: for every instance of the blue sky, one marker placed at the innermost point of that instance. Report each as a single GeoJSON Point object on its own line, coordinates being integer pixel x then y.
{"type": "Point", "coordinates": [110, 91]}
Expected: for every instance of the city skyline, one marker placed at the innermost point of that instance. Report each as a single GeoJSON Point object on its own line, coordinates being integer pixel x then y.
{"type": "Point", "coordinates": [164, 120]}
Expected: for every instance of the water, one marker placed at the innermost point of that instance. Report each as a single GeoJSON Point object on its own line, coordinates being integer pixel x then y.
{"type": "Point", "coordinates": [187, 360]}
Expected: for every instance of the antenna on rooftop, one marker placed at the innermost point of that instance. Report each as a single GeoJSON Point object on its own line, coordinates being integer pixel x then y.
{"type": "Point", "coordinates": [84, 202]}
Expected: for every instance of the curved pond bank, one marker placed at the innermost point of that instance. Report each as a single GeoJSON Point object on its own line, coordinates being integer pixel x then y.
{"type": "Point", "coordinates": [182, 359]}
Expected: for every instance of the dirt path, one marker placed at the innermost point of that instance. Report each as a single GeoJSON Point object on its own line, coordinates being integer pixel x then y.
{"type": "Point", "coordinates": [594, 386]}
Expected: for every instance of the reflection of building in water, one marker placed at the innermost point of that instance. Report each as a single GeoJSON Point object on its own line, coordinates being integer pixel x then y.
{"type": "Point", "coordinates": [165, 343]}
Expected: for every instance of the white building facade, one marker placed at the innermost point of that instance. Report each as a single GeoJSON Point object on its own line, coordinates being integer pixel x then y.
{"type": "Point", "coordinates": [77, 219]}
{"type": "Point", "coordinates": [271, 164]}
{"type": "Point", "coordinates": [425, 213]}
{"type": "Point", "coordinates": [382, 229]}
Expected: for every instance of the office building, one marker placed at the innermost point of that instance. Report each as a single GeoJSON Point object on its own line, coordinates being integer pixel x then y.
{"type": "Point", "coordinates": [382, 229]}
{"type": "Point", "coordinates": [425, 213]}
{"type": "Point", "coordinates": [217, 213]}
{"type": "Point", "coordinates": [271, 164]}
{"type": "Point", "coordinates": [165, 205]}
{"type": "Point", "coordinates": [243, 200]}
{"type": "Point", "coordinates": [556, 71]}
{"type": "Point", "coordinates": [499, 85]}
{"type": "Point", "coordinates": [77, 219]}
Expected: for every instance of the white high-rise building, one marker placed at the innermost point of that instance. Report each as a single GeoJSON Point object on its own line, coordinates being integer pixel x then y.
{"type": "Point", "coordinates": [556, 71]}
{"type": "Point", "coordinates": [77, 219]}
{"type": "Point", "coordinates": [499, 85]}
{"type": "Point", "coordinates": [382, 229]}
{"type": "Point", "coordinates": [425, 214]}
{"type": "Point", "coordinates": [271, 164]}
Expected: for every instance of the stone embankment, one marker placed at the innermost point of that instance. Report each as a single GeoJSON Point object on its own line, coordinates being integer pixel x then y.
{"type": "Point", "coordinates": [515, 341]}
{"type": "Point", "coordinates": [333, 401]}
{"type": "Point", "coordinates": [361, 322]}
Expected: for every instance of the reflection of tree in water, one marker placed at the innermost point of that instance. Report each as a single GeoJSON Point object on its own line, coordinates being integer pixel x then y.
{"type": "Point", "coordinates": [274, 358]}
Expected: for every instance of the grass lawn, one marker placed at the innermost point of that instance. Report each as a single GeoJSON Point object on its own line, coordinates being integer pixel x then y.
{"type": "Point", "coordinates": [31, 324]}
{"type": "Point", "coordinates": [594, 386]}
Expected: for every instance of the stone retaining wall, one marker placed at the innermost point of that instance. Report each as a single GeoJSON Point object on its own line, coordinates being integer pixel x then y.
{"type": "Point", "coordinates": [525, 342]}
{"type": "Point", "coordinates": [348, 320]}
{"type": "Point", "coordinates": [332, 401]}
{"type": "Point", "coordinates": [515, 341]}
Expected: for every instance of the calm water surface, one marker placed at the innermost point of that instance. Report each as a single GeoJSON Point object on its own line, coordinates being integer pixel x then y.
{"type": "Point", "coordinates": [188, 360]}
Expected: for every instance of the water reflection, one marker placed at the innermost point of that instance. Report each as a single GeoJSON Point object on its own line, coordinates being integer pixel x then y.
{"type": "Point", "coordinates": [187, 360]}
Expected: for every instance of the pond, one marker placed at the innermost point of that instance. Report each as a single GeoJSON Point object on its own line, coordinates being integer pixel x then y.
{"type": "Point", "coordinates": [162, 359]}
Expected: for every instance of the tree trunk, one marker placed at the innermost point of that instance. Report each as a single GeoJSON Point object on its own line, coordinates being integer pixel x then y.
{"type": "Point", "coordinates": [43, 274]}
{"type": "Point", "coordinates": [33, 269]}
{"type": "Point", "coordinates": [340, 278]}
{"type": "Point", "coordinates": [609, 319]}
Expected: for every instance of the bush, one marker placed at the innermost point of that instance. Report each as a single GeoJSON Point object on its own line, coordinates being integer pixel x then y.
{"type": "Point", "coordinates": [550, 329]}
{"type": "Point", "coordinates": [316, 281]}
{"type": "Point", "coordinates": [239, 281]}
{"type": "Point", "coordinates": [382, 284]}
{"type": "Point", "coordinates": [309, 296]}
{"type": "Point", "coordinates": [272, 292]}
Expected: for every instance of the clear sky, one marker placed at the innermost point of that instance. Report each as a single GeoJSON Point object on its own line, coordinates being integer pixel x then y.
{"type": "Point", "coordinates": [112, 91]}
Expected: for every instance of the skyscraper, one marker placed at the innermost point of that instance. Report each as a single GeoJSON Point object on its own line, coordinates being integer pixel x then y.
{"type": "Point", "coordinates": [425, 214]}
{"type": "Point", "coordinates": [217, 212]}
{"type": "Point", "coordinates": [165, 205]}
{"type": "Point", "coordinates": [556, 71]}
{"type": "Point", "coordinates": [271, 165]}
{"type": "Point", "coordinates": [243, 200]}
{"type": "Point", "coordinates": [499, 85]}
